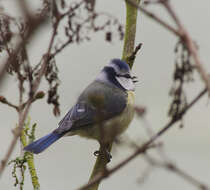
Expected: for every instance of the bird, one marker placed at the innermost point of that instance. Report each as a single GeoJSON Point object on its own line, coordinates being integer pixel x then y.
{"type": "Point", "coordinates": [102, 111]}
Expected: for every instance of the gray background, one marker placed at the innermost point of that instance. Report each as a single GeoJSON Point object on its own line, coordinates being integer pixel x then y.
{"type": "Point", "coordinates": [68, 163]}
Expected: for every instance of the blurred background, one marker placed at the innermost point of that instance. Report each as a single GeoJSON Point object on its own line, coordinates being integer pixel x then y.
{"type": "Point", "coordinates": [68, 163]}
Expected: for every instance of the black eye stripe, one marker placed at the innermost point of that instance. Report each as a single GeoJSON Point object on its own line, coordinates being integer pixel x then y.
{"type": "Point", "coordinates": [125, 75]}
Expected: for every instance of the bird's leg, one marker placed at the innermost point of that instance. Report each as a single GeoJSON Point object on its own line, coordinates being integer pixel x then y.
{"type": "Point", "coordinates": [108, 155]}
{"type": "Point", "coordinates": [104, 151]}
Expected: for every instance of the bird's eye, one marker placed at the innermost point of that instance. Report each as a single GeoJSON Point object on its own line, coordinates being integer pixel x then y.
{"type": "Point", "coordinates": [127, 76]}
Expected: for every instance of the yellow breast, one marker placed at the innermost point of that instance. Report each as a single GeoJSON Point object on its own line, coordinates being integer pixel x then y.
{"type": "Point", "coordinates": [126, 117]}
{"type": "Point", "coordinates": [113, 127]}
{"type": "Point", "coordinates": [131, 98]}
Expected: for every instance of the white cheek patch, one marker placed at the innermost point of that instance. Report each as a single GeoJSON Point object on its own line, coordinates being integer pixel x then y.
{"type": "Point", "coordinates": [126, 83]}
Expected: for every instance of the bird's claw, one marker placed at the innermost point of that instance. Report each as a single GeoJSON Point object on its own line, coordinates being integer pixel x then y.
{"type": "Point", "coordinates": [107, 154]}
{"type": "Point", "coordinates": [96, 153]}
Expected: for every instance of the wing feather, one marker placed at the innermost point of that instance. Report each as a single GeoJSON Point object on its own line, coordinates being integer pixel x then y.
{"type": "Point", "coordinates": [86, 111]}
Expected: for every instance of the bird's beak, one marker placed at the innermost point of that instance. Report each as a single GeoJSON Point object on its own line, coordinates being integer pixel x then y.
{"type": "Point", "coordinates": [126, 83]}
{"type": "Point", "coordinates": [134, 79]}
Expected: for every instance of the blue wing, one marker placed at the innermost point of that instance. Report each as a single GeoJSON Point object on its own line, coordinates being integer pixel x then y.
{"type": "Point", "coordinates": [86, 112]}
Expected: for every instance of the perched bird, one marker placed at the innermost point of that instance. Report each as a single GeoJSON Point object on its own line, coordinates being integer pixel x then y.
{"type": "Point", "coordinates": [103, 110]}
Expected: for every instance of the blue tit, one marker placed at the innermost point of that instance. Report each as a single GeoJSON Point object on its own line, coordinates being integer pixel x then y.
{"type": "Point", "coordinates": [103, 110]}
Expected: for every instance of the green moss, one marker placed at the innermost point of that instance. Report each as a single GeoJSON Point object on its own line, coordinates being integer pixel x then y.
{"type": "Point", "coordinates": [130, 33]}
{"type": "Point", "coordinates": [26, 138]}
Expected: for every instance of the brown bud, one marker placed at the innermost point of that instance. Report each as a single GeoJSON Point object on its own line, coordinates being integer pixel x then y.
{"type": "Point", "coordinates": [56, 111]}
{"type": "Point", "coordinates": [108, 36]}
{"type": "Point", "coordinates": [3, 99]}
{"type": "Point", "coordinates": [140, 111]}
{"type": "Point", "coordinates": [40, 95]}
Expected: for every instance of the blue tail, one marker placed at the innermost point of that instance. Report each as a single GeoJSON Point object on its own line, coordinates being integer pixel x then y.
{"type": "Point", "coordinates": [42, 143]}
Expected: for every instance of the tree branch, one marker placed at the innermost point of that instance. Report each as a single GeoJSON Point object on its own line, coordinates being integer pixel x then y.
{"type": "Point", "coordinates": [189, 43]}
{"type": "Point", "coordinates": [129, 42]}
{"type": "Point", "coordinates": [181, 32]}
{"type": "Point", "coordinates": [28, 155]}
{"type": "Point", "coordinates": [3, 100]}
{"type": "Point", "coordinates": [130, 32]}
{"type": "Point", "coordinates": [34, 24]}
{"type": "Point", "coordinates": [170, 166]}
{"type": "Point", "coordinates": [154, 17]}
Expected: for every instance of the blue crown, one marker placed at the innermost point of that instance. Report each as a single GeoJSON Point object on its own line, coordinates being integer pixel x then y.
{"type": "Point", "coordinates": [122, 65]}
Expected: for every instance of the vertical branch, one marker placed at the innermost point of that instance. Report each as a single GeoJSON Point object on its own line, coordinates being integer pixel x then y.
{"type": "Point", "coordinates": [129, 42]}
{"type": "Point", "coordinates": [28, 155]}
{"type": "Point", "coordinates": [99, 168]}
{"type": "Point", "coordinates": [130, 32]}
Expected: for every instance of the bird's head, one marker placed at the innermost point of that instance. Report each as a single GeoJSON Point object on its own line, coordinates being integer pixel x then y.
{"type": "Point", "coordinates": [118, 72]}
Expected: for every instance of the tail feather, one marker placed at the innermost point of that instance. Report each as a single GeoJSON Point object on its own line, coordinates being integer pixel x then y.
{"type": "Point", "coordinates": [42, 143]}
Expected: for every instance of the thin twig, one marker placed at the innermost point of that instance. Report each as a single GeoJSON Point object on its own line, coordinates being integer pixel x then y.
{"type": "Point", "coordinates": [3, 100]}
{"type": "Point", "coordinates": [178, 171]}
{"type": "Point", "coordinates": [189, 43]}
{"type": "Point", "coordinates": [166, 163]}
{"type": "Point", "coordinates": [181, 32]}
{"type": "Point", "coordinates": [72, 9]}
{"type": "Point", "coordinates": [132, 57]}
{"type": "Point", "coordinates": [155, 18]}
{"type": "Point", "coordinates": [60, 18]}
{"type": "Point", "coordinates": [34, 25]}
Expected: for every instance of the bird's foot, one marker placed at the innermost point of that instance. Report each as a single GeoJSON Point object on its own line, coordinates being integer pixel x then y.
{"type": "Point", "coordinates": [108, 156]}
{"type": "Point", "coordinates": [105, 153]}
{"type": "Point", "coordinates": [96, 153]}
